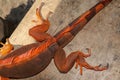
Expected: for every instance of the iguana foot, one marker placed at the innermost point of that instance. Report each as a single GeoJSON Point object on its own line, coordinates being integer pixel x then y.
{"type": "Point", "coordinates": [82, 63]}
{"type": "Point", "coordinates": [5, 50]}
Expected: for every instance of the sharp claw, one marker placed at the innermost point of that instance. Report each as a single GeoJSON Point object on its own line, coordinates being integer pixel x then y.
{"type": "Point", "coordinates": [76, 65]}
{"type": "Point", "coordinates": [89, 51]}
{"type": "Point", "coordinates": [49, 14]}
{"type": "Point", "coordinates": [42, 4]}
{"type": "Point", "coordinates": [107, 66]}
{"type": "Point", "coordinates": [99, 65]}
{"type": "Point", "coordinates": [81, 71]}
{"type": "Point", "coordinates": [87, 48]}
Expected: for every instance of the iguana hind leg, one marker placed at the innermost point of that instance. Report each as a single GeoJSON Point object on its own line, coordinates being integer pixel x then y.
{"type": "Point", "coordinates": [64, 64]}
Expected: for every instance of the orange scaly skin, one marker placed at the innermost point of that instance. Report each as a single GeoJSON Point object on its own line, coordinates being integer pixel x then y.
{"type": "Point", "coordinates": [19, 63]}
{"type": "Point", "coordinates": [7, 47]}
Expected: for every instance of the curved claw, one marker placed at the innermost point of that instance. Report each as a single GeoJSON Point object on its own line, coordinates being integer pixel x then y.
{"type": "Point", "coordinates": [88, 54]}
{"type": "Point", "coordinates": [42, 4]}
{"type": "Point", "coordinates": [38, 12]}
{"type": "Point", "coordinates": [99, 65]}
{"type": "Point", "coordinates": [80, 61]}
{"type": "Point", "coordinates": [99, 68]}
{"type": "Point", "coordinates": [76, 66]}
{"type": "Point", "coordinates": [39, 15]}
{"type": "Point", "coordinates": [107, 65]}
{"type": "Point", "coordinates": [50, 12]}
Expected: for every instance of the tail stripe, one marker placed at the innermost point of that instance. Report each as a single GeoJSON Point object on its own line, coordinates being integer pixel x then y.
{"type": "Point", "coordinates": [74, 27]}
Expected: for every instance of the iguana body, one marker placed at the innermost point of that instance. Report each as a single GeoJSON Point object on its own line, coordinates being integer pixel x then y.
{"type": "Point", "coordinates": [34, 58]}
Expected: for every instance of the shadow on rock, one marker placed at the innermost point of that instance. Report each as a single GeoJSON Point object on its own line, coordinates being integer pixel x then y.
{"type": "Point", "coordinates": [14, 17]}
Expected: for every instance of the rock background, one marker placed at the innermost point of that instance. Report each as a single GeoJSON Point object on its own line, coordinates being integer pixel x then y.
{"type": "Point", "coordinates": [13, 12]}
{"type": "Point", "coordinates": [101, 34]}
{"type": "Point", "coordinates": [14, 9]}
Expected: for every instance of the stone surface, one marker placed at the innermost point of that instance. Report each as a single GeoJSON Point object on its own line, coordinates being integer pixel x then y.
{"type": "Point", "coordinates": [101, 34]}
{"type": "Point", "coordinates": [12, 11]}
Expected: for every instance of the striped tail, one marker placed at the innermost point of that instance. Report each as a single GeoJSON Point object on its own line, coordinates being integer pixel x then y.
{"type": "Point", "coordinates": [67, 34]}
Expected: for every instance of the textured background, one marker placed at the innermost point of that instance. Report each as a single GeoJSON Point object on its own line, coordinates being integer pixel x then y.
{"type": "Point", "coordinates": [101, 34]}
{"type": "Point", "coordinates": [12, 11]}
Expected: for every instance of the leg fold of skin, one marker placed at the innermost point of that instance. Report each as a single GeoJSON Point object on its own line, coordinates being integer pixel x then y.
{"type": "Point", "coordinates": [40, 36]}
{"type": "Point", "coordinates": [65, 64]}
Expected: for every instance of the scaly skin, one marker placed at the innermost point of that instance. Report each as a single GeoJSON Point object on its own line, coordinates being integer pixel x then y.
{"type": "Point", "coordinates": [7, 47]}
{"type": "Point", "coordinates": [19, 63]}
